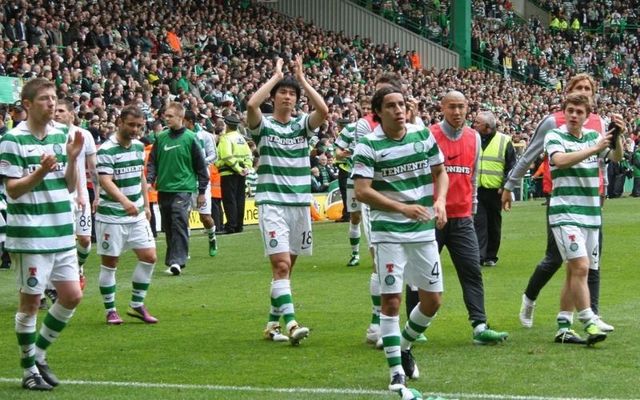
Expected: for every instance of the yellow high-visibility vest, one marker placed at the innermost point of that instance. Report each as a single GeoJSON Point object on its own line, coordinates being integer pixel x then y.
{"type": "Point", "coordinates": [234, 154]}
{"type": "Point", "coordinates": [492, 162]}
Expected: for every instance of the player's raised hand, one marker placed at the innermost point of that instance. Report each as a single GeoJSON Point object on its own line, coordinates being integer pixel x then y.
{"type": "Point", "coordinates": [279, 64]}
{"type": "Point", "coordinates": [74, 145]}
{"type": "Point", "coordinates": [298, 69]}
{"type": "Point", "coordinates": [605, 140]}
{"type": "Point", "coordinates": [48, 162]}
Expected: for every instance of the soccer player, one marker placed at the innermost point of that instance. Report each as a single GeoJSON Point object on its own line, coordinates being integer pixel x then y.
{"type": "Point", "coordinates": [283, 194]}
{"type": "Point", "coordinates": [177, 162]}
{"type": "Point", "coordinates": [461, 147]}
{"type": "Point", "coordinates": [38, 161]}
{"type": "Point", "coordinates": [206, 141]}
{"type": "Point", "coordinates": [552, 261]}
{"type": "Point", "coordinates": [65, 115]}
{"type": "Point", "coordinates": [122, 218]}
{"type": "Point", "coordinates": [360, 214]}
{"type": "Point", "coordinates": [345, 145]}
{"type": "Point", "coordinates": [574, 206]}
{"type": "Point", "coordinates": [397, 169]}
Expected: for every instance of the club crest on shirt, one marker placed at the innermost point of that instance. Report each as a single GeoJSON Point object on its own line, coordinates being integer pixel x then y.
{"type": "Point", "coordinates": [389, 280]}
{"type": "Point", "coordinates": [57, 149]}
{"type": "Point", "coordinates": [418, 147]}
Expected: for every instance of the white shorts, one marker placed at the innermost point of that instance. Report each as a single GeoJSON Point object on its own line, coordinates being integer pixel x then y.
{"type": "Point", "coordinates": [416, 264]}
{"type": "Point", "coordinates": [353, 205]}
{"type": "Point", "coordinates": [34, 271]}
{"type": "Point", "coordinates": [206, 207]}
{"type": "Point", "coordinates": [365, 219]}
{"type": "Point", "coordinates": [83, 220]}
{"type": "Point", "coordinates": [575, 242]}
{"type": "Point", "coordinates": [114, 239]}
{"type": "Point", "coordinates": [285, 229]}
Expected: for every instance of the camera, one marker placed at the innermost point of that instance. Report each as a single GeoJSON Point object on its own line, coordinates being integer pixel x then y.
{"type": "Point", "coordinates": [615, 134]}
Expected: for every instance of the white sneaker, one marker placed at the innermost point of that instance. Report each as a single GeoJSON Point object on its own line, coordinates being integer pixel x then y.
{"type": "Point", "coordinates": [297, 333]}
{"type": "Point", "coordinates": [273, 333]}
{"type": "Point", "coordinates": [373, 333]}
{"type": "Point", "coordinates": [174, 270]}
{"type": "Point", "coordinates": [379, 344]}
{"type": "Point", "coordinates": [604, 327]}
{"type": "Point", "coordinates": [526, 312]}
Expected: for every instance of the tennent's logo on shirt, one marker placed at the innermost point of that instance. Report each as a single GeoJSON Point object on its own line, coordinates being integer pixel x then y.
{"type": "Point", "coordinates": [400, 169]}
{"type": "Point", "coordinates": [457, 169]}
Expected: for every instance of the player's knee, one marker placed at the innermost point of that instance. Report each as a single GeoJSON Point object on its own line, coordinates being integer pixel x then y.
{"type": "Point", "coordinates": [84, 241]}
{"type": "Point", "coordinates": [355, 218]}
{"type": "Point", "coordinates": [149, 258]}
{"type": "Point", "coordinates": [70, 299]}
{"type": "Point", "coordinates": [391, 304]}
{"type": "Point", "coordinates": [281, 269]}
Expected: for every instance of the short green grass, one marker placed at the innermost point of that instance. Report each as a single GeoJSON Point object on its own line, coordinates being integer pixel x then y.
{"type": "Point", "coordinates": [208, 344]}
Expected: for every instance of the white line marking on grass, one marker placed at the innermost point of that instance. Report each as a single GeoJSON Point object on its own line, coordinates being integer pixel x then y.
{"type": "Point", "coordinates": [221, 388]}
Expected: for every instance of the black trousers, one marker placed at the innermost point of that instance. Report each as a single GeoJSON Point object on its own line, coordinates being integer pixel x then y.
{"type": "Point", "coordinates": [552, 262]}
{"type": "Point", "coordinates": [342, 186]}
{"type": "Point", "coordinates": [174, 212]}
{"type": "Point", "coordinates": [635, 192]}
{"type": "Point", "coordinates": [488, 223]}
{"type": "Point", "coordinates": [460, 238]}
{"type": "Point", "coordinates": [216, 212]}
{"type": "Point", "coordinates": [233, 198]}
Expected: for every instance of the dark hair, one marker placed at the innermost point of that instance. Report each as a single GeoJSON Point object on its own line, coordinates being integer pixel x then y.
{"type": "Point", "coordinates": [288, 81]}
{"type": "Point", "coordinates": [378, 99]}
{"type": "Point", "coordinates": [132, 111]}
{"type": "Point", "coordinates": [190, 116]}
{"type": "Point", "coordinates": [389, 79]}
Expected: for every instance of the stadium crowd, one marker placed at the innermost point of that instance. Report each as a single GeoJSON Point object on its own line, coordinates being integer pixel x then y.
{"type": "Point", "coordinates": [107, 55]}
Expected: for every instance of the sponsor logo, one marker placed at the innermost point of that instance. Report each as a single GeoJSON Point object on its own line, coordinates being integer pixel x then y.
{"type": "Point", "coordinates": [286, 141]}
{"type": "Point", "coordinates": [433, 282]}
{"type": "Point", "coordinates": [33, 271]}
{"type": "Point", "coordinates": [30, 149]}
{"type": "Point", "coordinates": [389, 267]}
{"type": "Point", "coordinates": [383, 155]}
{"type": "Point", "coordinates": [401, 169]}
{"type": "Point", "coordinates": [305, 247]}
{"type": "Point", "coordinates": [453, 157]}
{"type": "Point", "coordinates": [272, 234]}
{"type": "Point", "coordinates": [458, 169]}
{"type": "Point", "coordinates": [167, 148]}
{"type": "Point", "coordinates": [106, 236]}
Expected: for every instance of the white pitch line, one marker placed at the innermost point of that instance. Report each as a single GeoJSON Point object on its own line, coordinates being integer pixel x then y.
{"type": "Point", "coordinates": [344, 391]}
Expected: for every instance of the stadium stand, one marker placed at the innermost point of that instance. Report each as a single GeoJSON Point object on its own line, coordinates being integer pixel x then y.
{"type": "Point", "coordinates": [109, 54]}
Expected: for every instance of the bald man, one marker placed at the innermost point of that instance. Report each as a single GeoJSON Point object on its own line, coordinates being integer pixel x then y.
{"type": "Point", "coordinates": [461, 146]}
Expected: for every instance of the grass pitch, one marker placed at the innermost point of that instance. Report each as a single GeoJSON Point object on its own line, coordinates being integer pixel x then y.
{"type": "Point", "coordinates": [208, 343]}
